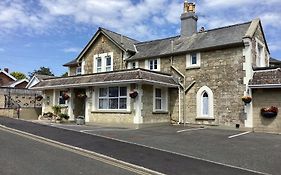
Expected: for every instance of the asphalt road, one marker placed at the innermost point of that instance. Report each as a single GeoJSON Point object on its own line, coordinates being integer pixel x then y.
{"type": "Point", "coordinates": [23, 156]}
{"type": "Point", "coordinates": [156, 160]}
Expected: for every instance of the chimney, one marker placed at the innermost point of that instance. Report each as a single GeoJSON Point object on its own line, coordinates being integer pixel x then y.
{"type": "Point", "coordinates": [188, 19]}
{"type": "Point", "coordinates": [6, 70]}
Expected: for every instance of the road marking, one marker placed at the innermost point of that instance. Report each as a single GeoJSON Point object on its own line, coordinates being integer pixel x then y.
{"type": "Point", "coordinates": [167, 151]}
{"type": "Point", "coordinates": [191, 129]}
{"type": "Point", "coordinates": [240, 134]}
{"type": "Point", "coordinates": [83, 152]}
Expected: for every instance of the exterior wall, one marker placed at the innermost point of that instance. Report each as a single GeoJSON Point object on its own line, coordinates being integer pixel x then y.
{"type": "Point", "coordinates": [266, 98]}
{"type": "Point", "coordinates": [72, 71]}
{"type": "Point", "coordinates": [8, 113]}
{"type": "Point", "coordinates": [47, 101]}
{"type": "Point", "coordinates": [4, 79]}
{"type": "Point", "coordinates": [222, 72]}
{"type": "Point", "coordinates": [103, 45]}
{"type": "Point", "coordinates": [148, 115]}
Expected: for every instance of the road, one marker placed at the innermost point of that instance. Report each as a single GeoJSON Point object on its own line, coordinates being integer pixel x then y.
{"type": "Point", "coordinates": [23, 156]}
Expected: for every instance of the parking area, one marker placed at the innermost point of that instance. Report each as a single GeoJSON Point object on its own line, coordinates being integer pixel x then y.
{"type": "Point", "coordinates": [255, 151]}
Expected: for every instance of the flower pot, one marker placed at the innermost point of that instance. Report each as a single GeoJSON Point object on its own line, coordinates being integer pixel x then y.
{"type": "Point", "coordinates": [247, 99]}
{"type": "Point", "coordinates": [39, 97]}
{"type": "Point", "coordinates": [269, 114]}
{"type": "Point", "coordinates": [133, 94]}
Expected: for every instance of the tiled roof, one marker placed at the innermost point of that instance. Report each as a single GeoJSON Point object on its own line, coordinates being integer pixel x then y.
{"type": "Point", "coordinates": [273, 60]}
{"type": "Point", "coordinates": [203, 40]}
{"type": "Point", "coordinates": [266, 77]}
{"type": "Point", "coordinates": [124, 76]}
{"type": "Point", "coordinates": [43, 77]}
{"type": "Point", "coordinates": [72, 63]}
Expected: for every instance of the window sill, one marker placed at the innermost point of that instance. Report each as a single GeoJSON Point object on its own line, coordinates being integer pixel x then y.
{"type": "Point", "coordinates": [112, 111]}
{"type": "Point", "coordinates": [160, 112]}
{"type": "Point", "coordinates": [193, 67]}
{"type": "Point", "coordinates": [204, 118]}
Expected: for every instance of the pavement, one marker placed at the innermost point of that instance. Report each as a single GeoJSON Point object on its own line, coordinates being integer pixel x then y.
{"type": "Point", "coordinates": [161, 149]}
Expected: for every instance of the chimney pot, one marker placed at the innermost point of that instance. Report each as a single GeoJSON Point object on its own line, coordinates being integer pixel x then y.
{"type": "Point", "coordinates": [6, 70]}
{"type": "Point", "coordinates": [188, 19]}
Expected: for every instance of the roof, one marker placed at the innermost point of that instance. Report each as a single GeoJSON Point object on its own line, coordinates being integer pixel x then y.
{"type": "Point", "coordinates": [8, 75]}
{"type": "Point", "coordinates": [72, 63]}
{"type": "Point", "coordinates": [114, 77]}
{"type": "Point", "coordinates": [273, 60]}
{"type": "Point", "coordinates": [224, 36]}
{"type": "Point", "coordinates": [43, 77]}
{"type": "Point", "coordinates": [15, 83]}
{"type": "Point", "coordinates": [266, 78]}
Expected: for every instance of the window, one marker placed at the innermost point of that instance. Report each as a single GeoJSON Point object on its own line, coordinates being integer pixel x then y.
{"type": "Point", "coordinates": [112, 98]}
{"type": "Point", "coordinates": [78, 70]}
{"type": "Point", "coordinates": [103, 62]}
{"type": "Point", "coordinates": [260, 57]}
{"type": "Point", "coordinates": [204, 103]}
{"type": "Point", "coordinates": [62, 100]}
{"type": "Point", "coordinates": [133, 65]}
{"type": "Point", "coordinates": [160, 99]}
{"type": "Point", "coordinates": [153, 64]}
{"type": "Point", "coordinates": [193, 60]}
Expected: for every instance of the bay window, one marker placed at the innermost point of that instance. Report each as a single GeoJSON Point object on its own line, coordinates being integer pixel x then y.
{"type": "Point", "coordinates": [112, 98]}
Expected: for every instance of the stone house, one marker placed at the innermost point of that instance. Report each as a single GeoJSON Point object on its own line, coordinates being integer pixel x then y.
{"type": "Point", "coordinates": [195, 77]}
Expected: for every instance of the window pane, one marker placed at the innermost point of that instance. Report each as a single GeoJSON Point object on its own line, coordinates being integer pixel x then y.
{"type": "Point", "coordinates": [103, 92]}
{"type": "Point", "coordinates": [155, 64]}
{"type": "Point", "coordinates": [108, 68]}
{"type": "Point", "coordinates": [151, 64]}
{"type": "Point", "coordinates": [158, 104]}
{"type": "Point", "coordinates": [103, 103]}
{"type": "Point", "coordinates": [113, 103]}
{"type": "Point", "coordinates": [113, 92]}
{"type": "Point", "coordinates": [123, 103]}
{"type": "Point", "coordinates": [157, 92]}
{"type": "Point", "coordinates": [123, 91]}
{"type": "Point", "coordinates": [205, 104]}
{"type": "Point", "coordinates": [193, 59]}
{"type": "Point", "coordinates": [108, 60]}
{"type": "Point", "coordinates": [98, 62]}
{"type": "Point", "coordinates": [134, 65]}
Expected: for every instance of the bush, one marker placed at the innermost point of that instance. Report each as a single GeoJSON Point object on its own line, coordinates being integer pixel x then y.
{"type": "Point", "coordinates": [65, 116]}
{"type": "Point", "coordinates": [48, 114]}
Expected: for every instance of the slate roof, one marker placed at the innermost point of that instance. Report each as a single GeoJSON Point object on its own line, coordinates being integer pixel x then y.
{"type": "Point", "coordinates": [273, 60]}
{"type": "Point", "coordinates": [220, 37]}
{"type": "Point", "coordinates": [118, 77]}
{"type": "Point", "coordinates": [72, 63]}
{"type": "Point", "coordinates": [43, 77]}
{"type": "Point", "coordinates": [266, 78]}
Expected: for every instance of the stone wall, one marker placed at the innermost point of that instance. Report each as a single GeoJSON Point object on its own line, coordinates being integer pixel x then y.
{"type": "Point", "coordinates": [72, 71]}
{"type": "Point", "coordinates": [266, 98]}
{"type": "Point", "coordinates": [103, 45]}
{"type": "Point", "coordinates": [8, 113]}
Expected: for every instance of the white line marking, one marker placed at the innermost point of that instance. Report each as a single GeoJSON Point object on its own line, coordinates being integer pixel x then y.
{"type": "Point", "coordinates": [86, 130]}
{"type": "Point", "coordinates": [240, 134]}
{"type": "Point", "coordinates": [191, 129]}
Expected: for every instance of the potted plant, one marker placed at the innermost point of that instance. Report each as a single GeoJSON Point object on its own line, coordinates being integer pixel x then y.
{"type": "Point", "coordinates": [269, 112]}
{"type": "Point", "coordinates": [133, 94]}
{"type": "Point", "coordinates": [39, 97]}
{"type": "Point", "coordinates": [63, 116]}
{"type": "Point", "coordinates": [247, 99]}
{"type": "Point", "coordinates": [57, 111]}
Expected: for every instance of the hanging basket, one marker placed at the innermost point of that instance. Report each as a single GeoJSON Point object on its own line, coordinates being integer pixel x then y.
{"type": "Point", "coordinates": [269, 112]}
{"type": "Point", "coordinates": [65, 96]}
{"type": "Point", "coordinates": [246, 99]}
{"type": "Point", "coordinates": [39, 97]}
{"type": "Point", "coordinates": [133, 94]}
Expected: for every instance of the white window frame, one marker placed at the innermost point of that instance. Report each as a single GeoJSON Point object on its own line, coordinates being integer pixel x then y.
{"type": "Point", "coordinates": [147, 64]}
{"type": "Point", "coordinates": [103, 67]}
{"type": "Point", "coordinates": [96, 97]}
{"type": "Point", "coordinates": [189, 64]}
{"type": "Point", "coordinates": [130, 65]}
{"type": "Point", "coordinates": [59, 97]}
{"type": "Point", "coordinates": [199, 103]}
{"type": "Point", "coordinates": [77, 70]}
{"type": "Point", "coordinates": [164, 99]}
{"type": "Point", "coordinates": [260, 56]}
{"type": "Point", "coordinates": [83, 67]}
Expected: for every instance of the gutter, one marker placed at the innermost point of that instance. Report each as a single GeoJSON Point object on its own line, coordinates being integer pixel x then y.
{"type": "Point", "coordinates": [264, 86]}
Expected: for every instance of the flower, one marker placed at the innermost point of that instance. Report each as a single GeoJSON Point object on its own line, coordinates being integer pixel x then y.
{"type": "Point", "coordinates": [246, 99]}
{"type": "Point", "coordinates": [270, 109]}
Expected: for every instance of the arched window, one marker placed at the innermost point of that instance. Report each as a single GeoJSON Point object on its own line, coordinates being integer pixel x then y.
{"type": "Point", "coordinates": [204, 104]}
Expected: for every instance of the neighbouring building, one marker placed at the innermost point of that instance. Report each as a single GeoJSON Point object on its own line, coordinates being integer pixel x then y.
{"type": "Point", "coordinates": [195, 77]}
{"type": "Point", "coordinates": [7, 80]}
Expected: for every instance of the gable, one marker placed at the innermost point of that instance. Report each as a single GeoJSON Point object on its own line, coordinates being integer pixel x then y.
{"type": "Point", "coordinates": [5, 78]}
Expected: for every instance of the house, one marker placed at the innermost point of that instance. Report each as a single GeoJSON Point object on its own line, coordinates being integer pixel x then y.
{"type": "Point", "coordinates": [35, 79]}
{"type": "Point", "coordinates": [195, 77]}
{"type": "Point", "coordinates": [7, 80]}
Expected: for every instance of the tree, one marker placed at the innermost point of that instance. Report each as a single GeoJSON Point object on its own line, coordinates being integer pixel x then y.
{"type": "Point", "coordinates": [41, 71]}
{"type": "Point", "coordinates": [18, 75]}
{"type": "Point", "coordinates": [64, 75]}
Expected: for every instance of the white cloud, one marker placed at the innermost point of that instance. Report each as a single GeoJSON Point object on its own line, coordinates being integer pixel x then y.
{"type": "Point", "coordinates": [72, 50]}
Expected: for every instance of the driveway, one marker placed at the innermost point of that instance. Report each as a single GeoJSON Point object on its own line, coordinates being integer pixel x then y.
{"type": "Point", "coordinates": [255, 151]}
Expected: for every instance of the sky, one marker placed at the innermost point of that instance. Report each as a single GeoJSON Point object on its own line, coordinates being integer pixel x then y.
{"type": "Point", "coordinates": [35, 33]}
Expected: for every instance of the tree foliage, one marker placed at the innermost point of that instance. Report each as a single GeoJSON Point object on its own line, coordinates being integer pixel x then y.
{"type": "Point", "coordinates": [18, 75]}
{"type": "Point", "coordinates": [64, 75]}
{"type": "Point", "coordinates": [42, 71]}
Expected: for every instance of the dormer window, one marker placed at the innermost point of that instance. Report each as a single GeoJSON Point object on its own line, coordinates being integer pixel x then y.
{"type": "Point", "coordinates": [103, 62]}
{"type": "Point", "coordinates": [193, 60]}
{"type": "Point", "coordinates": [78, 70]}
{"type": "Point", "coordinates": [260, 55]}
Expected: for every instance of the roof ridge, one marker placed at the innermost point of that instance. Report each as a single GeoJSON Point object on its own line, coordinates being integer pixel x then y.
{"type": "Point", "coordinates": [171, 37]}
{"type": "Point", "coordinates": [233, 25]}
{"type": "Point", "coordinates": [102, 28]}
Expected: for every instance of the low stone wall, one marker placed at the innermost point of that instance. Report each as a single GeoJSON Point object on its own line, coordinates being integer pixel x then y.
{"type": "Point", "coordinates": [266, 98]}
{"type": "Point", "coordinates": [8, 112]}
{"type": "Point", "coordinates": [30, 113]}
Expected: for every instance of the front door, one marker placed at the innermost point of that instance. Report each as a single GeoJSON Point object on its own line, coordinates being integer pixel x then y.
{"type": "Point", "coordinates": [79, 102]}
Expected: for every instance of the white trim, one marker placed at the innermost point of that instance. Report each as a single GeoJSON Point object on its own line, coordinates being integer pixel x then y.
{"type": "Point", "coordinates": [164, 97]}
{"type": "Point", "coordinates": [106, 83]}
{"type": "Point", "coordinates": [189, 61]}
{"type": "Point", "coordinates": [18, 82]}
{"type": "Point", "coordinates": [130, 65]}
{"type": "Point", "coordinates": [138, 105]}
{"type": "Point", "coordinates": [9, 75]}
{"type": "Point", "coordinates": [260, 62]}
{"type": "Point", "coordinates": [259, 86]}
{"type": "Point", "coordinates": [210, 103]}
{"type": "Point", "coordinates": [34, 78]}
{"type": "Point", "coordinates": [147, 64]}
{"type": "Point", "coordinates": [103, 62]}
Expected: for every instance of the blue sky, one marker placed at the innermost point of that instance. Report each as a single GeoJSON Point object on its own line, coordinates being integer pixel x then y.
{"type": "Point", "coordinates": [49, 33]}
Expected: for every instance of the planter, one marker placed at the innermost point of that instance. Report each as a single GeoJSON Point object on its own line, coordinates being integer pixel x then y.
{"type": "Point", "coordinates": [133, 94]}
{"type": "Point", "coordinates": [246, 99]}
{"type": "Point", "coordinates": [80, 120]}
{"type": "Point", "coordinates": [269, 114]}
